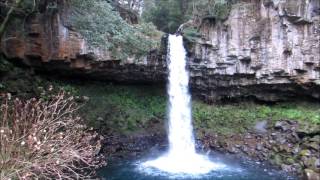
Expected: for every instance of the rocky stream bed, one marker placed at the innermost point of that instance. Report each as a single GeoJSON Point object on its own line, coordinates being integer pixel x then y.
{"type": "Point", "coordinates": [288, 145]}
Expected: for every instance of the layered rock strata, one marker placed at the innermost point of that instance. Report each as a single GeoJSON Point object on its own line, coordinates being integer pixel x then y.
{"type": "Point", "coordinates": [267, 50]}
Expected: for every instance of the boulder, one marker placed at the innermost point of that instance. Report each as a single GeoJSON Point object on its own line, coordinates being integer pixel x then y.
{"type": "Point", "coordinates": [311, 175]}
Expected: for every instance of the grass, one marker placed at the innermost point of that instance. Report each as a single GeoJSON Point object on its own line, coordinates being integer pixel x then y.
{"type": "Point", "coordinates": [130, 108]}
{"type": "Point", "coordinates": [237, 118]}
{"type": "Point", "coordinates": [120, 108]}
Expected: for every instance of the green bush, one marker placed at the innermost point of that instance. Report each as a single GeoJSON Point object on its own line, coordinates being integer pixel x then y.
{"type": "Point", "coordinates": [103, 27]}
{"type": "Point", "coordinates": [5, 65]}
{"type": "Point", "coordinates": [191, 34]}
{"type": "Point", "coordinates": [167, 15]}
{"type": "Point", "coordinates": [218, 9]}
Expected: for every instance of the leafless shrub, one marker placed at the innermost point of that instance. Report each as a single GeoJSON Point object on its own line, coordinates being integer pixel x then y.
{"type": "Point", "coordinates": [45, 139]}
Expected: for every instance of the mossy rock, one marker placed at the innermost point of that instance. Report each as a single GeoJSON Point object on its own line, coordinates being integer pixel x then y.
{"type": "Point", "coordinates": [276, 159]}
{"type": "Point", "coordinates": [290, 161]}
{"type": "Point", "coordinates": [306, 129]}
{"type": "Point", "coordinates": [305, 152]}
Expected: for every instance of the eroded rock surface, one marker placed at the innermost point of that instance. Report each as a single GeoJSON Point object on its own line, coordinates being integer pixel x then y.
{"type": "Point", "coordinates": [49, 43]}
{"type": "Point", "coordinates": [267, 50]}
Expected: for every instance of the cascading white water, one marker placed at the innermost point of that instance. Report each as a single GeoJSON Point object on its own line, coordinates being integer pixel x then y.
{"type": "Point", "coordinates": [182, 156]}
{"type": "Point", "coordinates": [180, 125]}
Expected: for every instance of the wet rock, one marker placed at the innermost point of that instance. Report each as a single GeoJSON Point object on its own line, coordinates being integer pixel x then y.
{"type": "Point", "coordinates": [311, 163]}
{"type": "Point", "coordinates": [307, 162]}
{"type": "Point", "coordinates": [312, 145]}
{"type": "Point", "coordinates": [317, 163]}
{"type": "Point", "coordinates": [259, 147]}
{"type": "Point", "coordinates": [294, 137]}
{"type": "Point", "coordinates": [315, 139]}
{"type": "Point", "coordinates": [297, 167]}
{"type": "Point", "coordinates": [238, 146]}
{"type": "Point", "coordinates": [280, 139]}
{"type": "Point", "coordinates": [261, 127]}
{"type": "Point", "coordinates": [308, 130]}
{"type": "Point", "coordinates": [276, 159]}
{"type": "Point", "coordinates": [281, 146]}
{"type": "Point", "coordinates": [285, 148]}
{"type": "Point", "coordinates": [287, 168]}
{"type": "Point", "coordinates": [283, 125]}
{"type": "Point", "coordinates": [275, 149]}
{"type": "Point", "coordinates": [305, 152]}
{"type": "Point", "coordinates": [296, 150]}
{"type": "Point", "coordinates": [290, 161]}
{"type": "Point", "coordinates": [245, 149]}
{"type": "Point", "coordinates": [248, 136]}
{"type": "Point", "coordinates": [311, 175]}
{"type": "Point", "coordinates": [233, 150]}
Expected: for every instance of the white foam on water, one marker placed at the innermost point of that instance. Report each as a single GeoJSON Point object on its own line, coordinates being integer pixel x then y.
{"type": "Point", "coordinates": [181, 157]}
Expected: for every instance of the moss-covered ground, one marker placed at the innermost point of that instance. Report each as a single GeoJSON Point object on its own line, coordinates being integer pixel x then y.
{"type": "Point", "coordinates": [130, 108]}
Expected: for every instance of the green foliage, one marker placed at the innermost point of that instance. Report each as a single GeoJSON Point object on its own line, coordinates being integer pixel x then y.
{"type": "Point", "coordinates": [120, 108]}
{"type": "Point", "coordinates": [221, 10]}
{"type": "Point", "coordinates": [167, 15]}
{"type": "Point", "coordinates": [131, 108]}
{"type": "Point", "coordinates": [5, 65]}
{"type": "Point", "coordinates": [218, 9]}
{"type": "Point", "coordinates": [191, 34]}
{"type": "Point", "coordinates": [17, 80]}
{"type": "Point", "coordinates": [29, 6]}
{"type": "Point", "coordinates": [103, 27]}
{"type": "Point", "coordinates": [238, 118]}
{"type": "Point", "coordinates": [69, 89]}
{"type": "Point", "coordinates": [150, 30]}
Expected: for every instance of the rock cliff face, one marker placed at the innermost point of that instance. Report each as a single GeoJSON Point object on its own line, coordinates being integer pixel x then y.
{"type": "Point", "coordinates": [48, 44]}
{"type": "Point", "coordinates": [267, 49]}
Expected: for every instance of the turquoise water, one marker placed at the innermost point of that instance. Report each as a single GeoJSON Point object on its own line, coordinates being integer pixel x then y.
{"type": "Point", "coordinates": [236, 170]}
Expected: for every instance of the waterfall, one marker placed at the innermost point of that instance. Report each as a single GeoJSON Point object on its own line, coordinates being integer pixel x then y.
{"type": "Point", "coordinates": [181, 156]}
{"type": "Point", "coordinates": [180, 126]}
